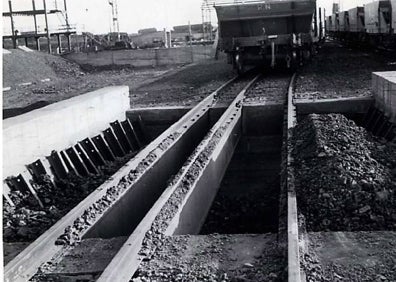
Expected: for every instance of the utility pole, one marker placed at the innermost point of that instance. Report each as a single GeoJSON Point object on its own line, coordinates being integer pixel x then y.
{"type": "Point", "coordinates": [190, 37]}
{"type": "Point", "coordinates": [14, 43]}
{"type": "Point", "coordinates": [46, 26]}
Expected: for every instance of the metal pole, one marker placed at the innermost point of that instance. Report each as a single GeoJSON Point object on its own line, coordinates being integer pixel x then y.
{"type": "Point", "coordinates": [66, 15]}
{"type": "Point", "coordinates": [34, 16]}
{"type": "Point", "coordinates": [46, 26]}
{"type": "Point", "coordinates": [320, 24]}
{"type": "Point", "coordinates": [59, 43]}
{"type": "Point", "coordinates": [210, 25]}
{"type": "Point", "coordinates": [14, 43]}
{"type": "Point", "coordinates": [68, 43]}
{"type": "Point", "coordinates": [203, 22]}
{"type": "Point", "coordinates": [316, 22]}
{"type": "Point", "coordinates": [190, 37]}
{"type": "Point", "coordinates": [118, 23]}
{"type": "Point", "coordinates": [325, 23]}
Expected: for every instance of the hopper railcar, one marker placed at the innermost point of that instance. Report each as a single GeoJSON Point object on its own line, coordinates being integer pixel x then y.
{"type": "Point", "coordinates": [373, 25]}
{"type": "Point", "coordinates": [267, 32]}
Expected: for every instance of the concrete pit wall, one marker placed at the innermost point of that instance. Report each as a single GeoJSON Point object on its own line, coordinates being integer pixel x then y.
{"type": "Point", "coordinates": [34, 135]}
{"type": "Point", "coordinates": [143, 58]}
{"type": "Point", "coordinates": [384, 88]}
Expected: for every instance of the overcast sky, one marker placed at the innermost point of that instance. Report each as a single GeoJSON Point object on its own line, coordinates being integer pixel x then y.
{"type": "Point", "coordinates": [95, 15]}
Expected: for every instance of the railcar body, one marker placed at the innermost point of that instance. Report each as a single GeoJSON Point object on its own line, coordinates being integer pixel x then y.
{"type": "Point", "coordinates": [356, 20]}
{"type": "Point", "coordinates": [269, 32]}
{"type": "Point", "coordinates": [372, 25]}
{"type": "Point", "coordinates": [378, 17]}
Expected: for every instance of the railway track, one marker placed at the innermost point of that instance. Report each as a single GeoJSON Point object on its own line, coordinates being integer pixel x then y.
{"type": "Point", "coordinates": [161, 197]}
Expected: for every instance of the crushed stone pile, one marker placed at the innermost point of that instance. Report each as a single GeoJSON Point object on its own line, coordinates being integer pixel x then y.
{"type": "Point", "coordinates": [345, 177]}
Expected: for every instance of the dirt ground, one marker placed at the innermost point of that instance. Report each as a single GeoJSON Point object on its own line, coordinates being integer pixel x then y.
{"type": "Point", "coordinates": [185, 88]}
{"type": "Point", "coordinates": [337, 71]}
{"type": "Point", "coordinates": [61, 88]}
{"type": "Point", "coordinates": [347, 256]}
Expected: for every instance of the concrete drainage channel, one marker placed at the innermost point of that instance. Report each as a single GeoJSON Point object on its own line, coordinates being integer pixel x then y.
{"type": "Point", "coordinates": [106, 213]}
{"type": "Point", "coordinates": [213, 198]}
{"type": "Point", "coordinates": [167, 245]}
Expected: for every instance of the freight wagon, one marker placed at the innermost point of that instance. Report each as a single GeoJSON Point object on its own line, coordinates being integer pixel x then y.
{"type": "Point", "coordinates": [372, 25]}
{"type": "Point", "coordinates": [266, 32]}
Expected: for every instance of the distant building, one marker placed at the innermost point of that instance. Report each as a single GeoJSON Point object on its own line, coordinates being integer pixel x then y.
{"type": "Point", "coordinates": [113, 37]}
{"type": "Point", "coordinates": [180, 36]}
{"type": "Point", "coordinates": [147, 31]}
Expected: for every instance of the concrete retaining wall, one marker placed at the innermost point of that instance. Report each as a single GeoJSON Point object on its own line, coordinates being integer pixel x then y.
{"type": "Point", "coordinates": [384, 88]}
{"type": "Point", "coordinates": [34, 135]}
{"type": "Point", "coordinates": [143, 58]}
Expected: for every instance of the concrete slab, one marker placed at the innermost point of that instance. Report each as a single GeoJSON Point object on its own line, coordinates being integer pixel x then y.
{"type": "Point", "coordinates": [35, 134]}
{"type": "Point", "coordinates": [340, 105]}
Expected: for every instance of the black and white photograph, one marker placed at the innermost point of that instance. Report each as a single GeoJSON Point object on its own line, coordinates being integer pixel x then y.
{"type": "Point", "coordinates": [198, 140]}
